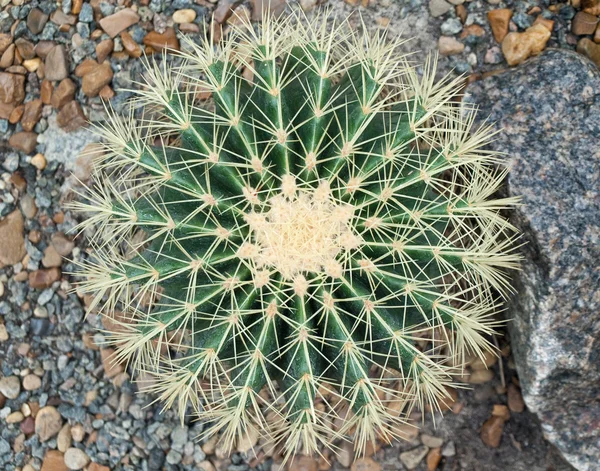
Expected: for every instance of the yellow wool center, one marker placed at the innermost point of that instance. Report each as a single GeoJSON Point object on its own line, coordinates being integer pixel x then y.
{"type": "Point", "coordinates": [302, 232]}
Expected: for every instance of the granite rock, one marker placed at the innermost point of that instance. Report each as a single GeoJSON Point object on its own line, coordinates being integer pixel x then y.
{"type": "Point", "coordinates": [545, 110]}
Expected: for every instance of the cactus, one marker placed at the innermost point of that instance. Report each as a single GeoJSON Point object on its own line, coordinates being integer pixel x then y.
{"type": "Point", "coordinates": [316, 242]}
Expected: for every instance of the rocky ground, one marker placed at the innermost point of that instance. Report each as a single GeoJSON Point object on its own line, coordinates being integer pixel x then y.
{"type": "Point", "coordinates": [63, 404]}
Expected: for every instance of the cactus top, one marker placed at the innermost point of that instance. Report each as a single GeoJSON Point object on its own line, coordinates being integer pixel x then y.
{"type": "Point", "coordinates": [316, 242]}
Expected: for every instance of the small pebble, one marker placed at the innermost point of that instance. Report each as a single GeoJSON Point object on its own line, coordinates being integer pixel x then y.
{"type": "Point", "coordinates": [31, 382]}
{"type": "Point", "coordinates": [411, 459]}
{"type": "Point", "coordinates": [39, 161]}
{"type": "Point", "coordinates": [10, 387]}
{"type": "Point", "coordinates": [76, 459]}
{"type": "Point", "coordinates": [184, 16]}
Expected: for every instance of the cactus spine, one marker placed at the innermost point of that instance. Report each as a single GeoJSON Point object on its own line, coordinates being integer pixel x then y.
{"type": "Point", "coordinates": [316, 243]}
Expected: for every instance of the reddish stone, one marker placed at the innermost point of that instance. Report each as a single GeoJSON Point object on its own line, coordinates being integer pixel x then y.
{"type": "Point", "coordinates": [5, 41]}
{"type": "Point", "coordinates": [97, 78]}
{"type": "Point", "coordinates": [8, 57]}
{"type": "Point", "coordinates": [60, 18]}
{"type": "Point", "coordinates": [27, 426]}
{"type": "Point", "coordinates": [97, 467]}
{"type": "Point", "coordinates": [56, 67]}
{"type": "Point", "coordinates": [491, 431]}
{"type": "Point", "coordinates": [46, 91]}
{"type": "Point", "coordinates": [106, 93]}
{"type": "Point", "coordinates": [499, 21]}
{"type": "Point", "coordinates": [76, 6]}
{"type": "Point", "coordinates": [43, 48]}
{"type": "Point", "coordinates": [119, 21]}
{"type": "Point", "coordinates": [71, 117]}
{"type": "Point", "coordinates": [23, 141]}
{"type": "Point", "coordinates": [36, 20]}
{"type": "Point", "coordinates": [25, 48]}
{"type": "Point", "coordinates": [103, 49]}
{"type": "Point", "coordinates": [16, 114]}
{"type": "Point", "coordinates": [85, 67]}
{"type": "Point", "coordinates": [43, 278]}
{"type": "Point", "coordinates": [12, 93]}
{"type": "Point", "coordinates": [63, 94]}
{"type": "Point", "coordinates": [274, 7]}
{"type": "Point", "coordinates": [130, 46]}
{"type": "Point", "coordinates": [162, 42]}
{"type": "Point", "coordinates": [54, 461]}
{"type": "Point", "coordinates": [32, 114]}
{"type": "Point", "coordinates": [225, 9]}
{"type": "Point", "coordinates": [472, 30]}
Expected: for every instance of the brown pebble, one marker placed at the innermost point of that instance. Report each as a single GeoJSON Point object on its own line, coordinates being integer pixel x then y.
{"type": "Point", "coordinates": [33, 65]}
{"type": "Point", "coordinates": [449, 46]}
{"type": "Point", "coordinates": [97, 467]}
{"type": "Point", "coordinates": [472, 30]}
{"type": "Point", "coordinates": [583, 24]}
{"type": "Point", "coordinates": [95, 79]}
{"type": "Point", "coordinates": [190, 28]}
{"type": "Point", "coordinates": [499, 21]}
{"type": "Point", "coordinates": [434, 456]}
{"type": "Point", "coordinates": [5, 41]}
{"type": "Point", "coordinates": [19, 182]}
{"type": "Point", "coordinates": [17, 69]}
{"type": "Point", "coordinates": [71, 117]}
{"type": "Point", "coordinates": [8, 56]}
{"type": "Point", "coordinates": [500, 410]}
{"type": "Point", "coordinates": [515, 399]}
{"type": "Point", "coordinates": [590, 49]}
{"type": "Point", "coordinates": [31, 114]}
{"type": "Point", "coordinates": [481, 376]}
{"type": "Point", "coordinates": [48, 423]}
{"type": "Point", "coordinates": [365, 464]}
{"type": "Point", "coordinates": [517, 47]}
{"type": "Point", "coordinates": [12, 92]}
{"type": "Point", "coordinates": [34, 236]}
{"type": "Point", "coordinates": [106, 93]}
{"type": "Point", "coordinates": [56, 67]}
{"type": "Point", "coordinates": [162, 42]}
{"type": "Point", "coordinates": [491, 431]}
{"type": "Point", "coordinates": [132, 48]}
{"type": "Point", "coordinates": [103, 49]}
{"type": "Point", "coordinates": [24, 141]}
{"type": "Point", "coordinates": [76, 6]}
{"type": "Point", "coordinates": [27, 426]}
{"type": "Point", "coordinates": [64, 93]}
{"type": "Point", "coordinates": [119, 21]}
{"type": "Point", "coordinates": [461, 12]}
{"type": "Point", "coordinates": [42, 48]}
{"type": "Point", "coordinates": [39, 161]}
{"type": "Point", "coordinates": [85, 67]}
{"type": "Point", "coordinates": [54, 461]}
{"type": "Point", "coordinates": [25, 48]}
{"type": "Point", "coordinates": [224, 10]}
{"type": "Point", "coordinates": [16, 114]}
{"type": "Point", "coordinates": [60, 18]}
{"type": "Point", "coordinates": [43, 278]}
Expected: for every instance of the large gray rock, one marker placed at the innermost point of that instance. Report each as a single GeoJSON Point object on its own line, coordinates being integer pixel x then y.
{"type": "Point", "coordinates": [549, 112]}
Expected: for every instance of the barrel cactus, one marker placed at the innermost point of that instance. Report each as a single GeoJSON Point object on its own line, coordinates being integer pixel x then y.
{"type": "Point", "coordinates": [315, 242]}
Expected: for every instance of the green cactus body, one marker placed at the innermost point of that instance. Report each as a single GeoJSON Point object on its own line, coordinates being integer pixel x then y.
{"type": "Point", "coordinates": [316, 245]}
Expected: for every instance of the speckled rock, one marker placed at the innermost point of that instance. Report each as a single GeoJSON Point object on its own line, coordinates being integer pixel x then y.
{"type": "Point", "coordinates": [12, 248]}
{"type": "Point", "coordinates": [544, 108]}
